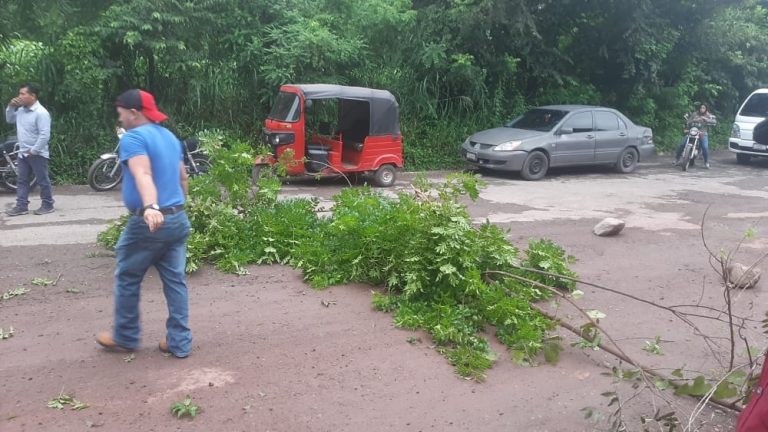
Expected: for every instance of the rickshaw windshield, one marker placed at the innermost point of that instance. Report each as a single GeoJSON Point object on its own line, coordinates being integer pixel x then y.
{"type": "Point", "coordinates": [286, 108]}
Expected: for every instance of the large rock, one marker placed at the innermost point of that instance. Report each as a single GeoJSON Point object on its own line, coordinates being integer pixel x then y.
{"type": "Point", "coordinates": [741, 277]}
{"type": "Point", "coordinates": [608, 227]}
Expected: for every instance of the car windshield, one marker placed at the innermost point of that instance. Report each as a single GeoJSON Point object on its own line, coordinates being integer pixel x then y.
{"type": "Point", "coordinates": [542, 120]}
{"type": "Point", "coordinates": [756, 106]}
{"type": "Point", "coordinates": [286, 107]}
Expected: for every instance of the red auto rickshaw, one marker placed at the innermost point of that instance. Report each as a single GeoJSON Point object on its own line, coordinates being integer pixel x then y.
{"type": "Point", "coordinates": [334, 130]}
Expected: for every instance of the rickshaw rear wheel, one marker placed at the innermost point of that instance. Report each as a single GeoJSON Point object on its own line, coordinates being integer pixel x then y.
{"type": "Point", "coordinates": [385, 176]}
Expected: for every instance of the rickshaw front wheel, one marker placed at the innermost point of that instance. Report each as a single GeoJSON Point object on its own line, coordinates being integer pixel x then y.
{"type": "Point", "coordinates": [385, 176]}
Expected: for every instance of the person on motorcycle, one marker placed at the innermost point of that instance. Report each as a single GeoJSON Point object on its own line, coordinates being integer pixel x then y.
{"type": "Point", "coordinates": [702, 119]}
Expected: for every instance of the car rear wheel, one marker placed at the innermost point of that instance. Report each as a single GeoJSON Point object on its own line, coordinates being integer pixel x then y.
{"type": "Point", "coordinates": [627, 161]}
{"type": "Point", "coordinates": [743, 158]}
{"type": "Point", "coordinates": [535, 166]}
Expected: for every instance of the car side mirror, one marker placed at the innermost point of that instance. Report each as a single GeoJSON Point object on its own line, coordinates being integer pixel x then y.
{"type": "Point", "coordinates": [565, 131]}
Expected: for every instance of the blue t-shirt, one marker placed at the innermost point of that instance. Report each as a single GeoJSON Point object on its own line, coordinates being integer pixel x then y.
{"type": "Point", "coordinates": [164, 152]}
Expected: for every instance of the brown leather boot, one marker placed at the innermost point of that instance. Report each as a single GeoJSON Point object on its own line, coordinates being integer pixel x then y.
{"type": "Point", "coordinates": [163, 347]}
{"type": "Point", "coordinates": [105, 340]}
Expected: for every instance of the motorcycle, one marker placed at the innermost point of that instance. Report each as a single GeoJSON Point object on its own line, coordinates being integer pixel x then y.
{"type": "Point", "coordinates": [107, 171]}
{"type": "Point", "coordinates": [9, 170]}
{"type": "Point", "coordinates": [692, 145]}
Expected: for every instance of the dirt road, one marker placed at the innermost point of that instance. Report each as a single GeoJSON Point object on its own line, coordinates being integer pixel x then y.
{"type": "Point", "coordinates": [269, 356]}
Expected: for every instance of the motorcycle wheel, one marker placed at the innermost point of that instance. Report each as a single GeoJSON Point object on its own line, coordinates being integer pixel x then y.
{"type": "Point", "coordinates": [9, 181]}
{"type": "Point", "coordinates": [100, 177]}
{"type": "Point", "coordinates": [686, 161]}
{"type": "Point", "coordinates": [201, 163]}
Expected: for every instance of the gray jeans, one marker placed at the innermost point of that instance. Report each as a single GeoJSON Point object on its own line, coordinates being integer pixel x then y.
{"type": "Point", "coordinates": [39, 166]}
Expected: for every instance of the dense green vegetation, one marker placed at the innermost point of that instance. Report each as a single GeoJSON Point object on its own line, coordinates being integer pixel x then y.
{"type": "Point", "coordinates": [456, 66]}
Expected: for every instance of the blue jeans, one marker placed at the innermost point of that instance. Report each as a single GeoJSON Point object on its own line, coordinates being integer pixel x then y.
{"type": "Point", "coordinates": [166, 249]}
{"type": "Point", "coordinates": [704, 148]}
{"type": "Point", "coordinates": [39, 166]}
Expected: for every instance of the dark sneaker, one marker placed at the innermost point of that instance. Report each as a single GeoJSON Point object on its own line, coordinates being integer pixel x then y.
{"type": "Point", "coordinates": [16, 211]}
{"type": "Point", "coordinates": [44, 210]}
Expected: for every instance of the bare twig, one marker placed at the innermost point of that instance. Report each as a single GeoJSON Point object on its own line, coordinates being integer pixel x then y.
{"type": "Point", "coordinates": [617, 352]}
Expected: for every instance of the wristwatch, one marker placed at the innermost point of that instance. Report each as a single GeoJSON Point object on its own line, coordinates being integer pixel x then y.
{"type": "Point", "coordinates": [152, 206]}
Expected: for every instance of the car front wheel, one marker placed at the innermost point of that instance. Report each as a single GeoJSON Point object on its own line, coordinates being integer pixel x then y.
{"type": "Point", "coordinates": [535, 166]}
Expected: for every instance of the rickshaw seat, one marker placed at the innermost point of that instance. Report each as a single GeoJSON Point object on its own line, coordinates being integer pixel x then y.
{"type": "Point", "coordinates": [353, 145]}
{"type": "Point", "coordinates": [353, 140]}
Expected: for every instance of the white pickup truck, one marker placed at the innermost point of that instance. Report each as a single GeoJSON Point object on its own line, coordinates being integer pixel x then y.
{"type": "Point", "coordinates": [752, 111]}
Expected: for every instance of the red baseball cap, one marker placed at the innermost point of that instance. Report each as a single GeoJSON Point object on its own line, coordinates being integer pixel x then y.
{"type": "Point", "coordinates": [143, 102]}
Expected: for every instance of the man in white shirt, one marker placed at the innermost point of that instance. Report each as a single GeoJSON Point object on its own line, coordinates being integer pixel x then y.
{"type": "Point", "coordinates": [33, 130]}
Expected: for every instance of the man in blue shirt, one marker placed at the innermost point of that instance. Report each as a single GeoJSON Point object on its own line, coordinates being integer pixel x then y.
{"type": "Point", "coordinates": [154, 191]}
{"type": "Point", "coordinates": [33, 130]}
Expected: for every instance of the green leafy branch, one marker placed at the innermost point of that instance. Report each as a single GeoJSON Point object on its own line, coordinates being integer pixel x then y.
{"type": "Point", "coordinates": [63, 400]}
{"type": "Point", "coordinates": [14, 292]}
{"type": "Point", "coordinates": [7, 333]}
{"type": "Point", "coordinates": [186, 407]}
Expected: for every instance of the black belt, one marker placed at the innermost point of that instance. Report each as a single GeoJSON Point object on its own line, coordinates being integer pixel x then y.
{"type": "Point", "coordinates": [165, 210]}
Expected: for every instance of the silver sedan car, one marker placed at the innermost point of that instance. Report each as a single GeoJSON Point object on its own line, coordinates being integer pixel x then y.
{"type": "Point", "coordinates": [558, 136]}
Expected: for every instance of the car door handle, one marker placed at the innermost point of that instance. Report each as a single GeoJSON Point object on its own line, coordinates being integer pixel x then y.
{"type": "Point", "coordinates": [622, 134]}
{"type": "Point", "coordinates": [589, 136]}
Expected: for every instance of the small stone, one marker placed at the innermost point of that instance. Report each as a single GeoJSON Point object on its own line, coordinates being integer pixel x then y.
{"type": "Point", "coordinates": [608, 227]}
{"type": "Point", "coordinates": [741, 277]}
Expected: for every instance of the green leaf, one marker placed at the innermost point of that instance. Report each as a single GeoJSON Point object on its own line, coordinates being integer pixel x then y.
{"type": "Point", "coordinates": [699, 387]}
{"type": "Point", "coordinates": [737, 377]}
{"type": "Point", "coordinates": [552, 349]}
{"type": "Point", "coordinates": [595, 314]}
{"type": "Point", "coordinates": [662, 384]}
{"type": "Point", "coordinates": [725, 390]}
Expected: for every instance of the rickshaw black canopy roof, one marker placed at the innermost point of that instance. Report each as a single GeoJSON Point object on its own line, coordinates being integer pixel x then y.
{"type": "Point", "coordinates": [384, 111]}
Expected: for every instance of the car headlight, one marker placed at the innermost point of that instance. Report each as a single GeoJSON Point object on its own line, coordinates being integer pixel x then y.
{"type": "Point", "coordinates": [735, 131]}
{"type": "Point", "coordinates": [508, 146]}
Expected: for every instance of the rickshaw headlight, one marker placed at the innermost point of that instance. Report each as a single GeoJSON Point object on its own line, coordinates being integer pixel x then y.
{"type": "Point", "coordinates": [508, 146]}
{"type": "Point", "coordinates": [277, 139]}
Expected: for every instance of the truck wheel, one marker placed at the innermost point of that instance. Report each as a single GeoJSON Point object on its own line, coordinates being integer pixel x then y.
{"type": "Point", "coordinates": [743, 158]}
{"type": "Point", "coordinates": [535, 166]}
{"type": "Point", "coordinates": [385, 176]}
